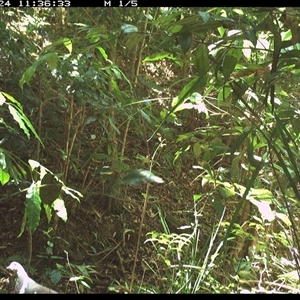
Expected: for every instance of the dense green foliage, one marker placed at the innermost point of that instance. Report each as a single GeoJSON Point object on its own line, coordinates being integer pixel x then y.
{"type": "Point", "coordinates": [96, 99]}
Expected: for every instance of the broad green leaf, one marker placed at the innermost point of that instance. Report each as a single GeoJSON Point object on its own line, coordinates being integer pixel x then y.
{"type": "Point", "coordinates": [4, 176]}
{"type": "Point", "coordinates": [51, 59]}
{"type": "Point", "coordinates": [201, 59]}
{"type": "Point", "coordinates": [224, 93]}
{"type": "Point", "coordinates": [185, 40]}
{"type": "Point", "coordinates": [68, 44]}
{"type": "Point", "coordinates": [197, 149]}
{"type": "Point", "coordinates": [229, 64]}
{"type": "Point", "coordinates": [227, 190]}
{"type": "Point", "coordinates": [27, 76]}
{"type": "Point", "coordinates": [33, 207]}
{"type": "Point", "coordinates": [261, 194]}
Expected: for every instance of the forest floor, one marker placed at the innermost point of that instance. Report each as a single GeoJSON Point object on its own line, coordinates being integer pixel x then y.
{"type": "Point", "coordinates": [97, 244]}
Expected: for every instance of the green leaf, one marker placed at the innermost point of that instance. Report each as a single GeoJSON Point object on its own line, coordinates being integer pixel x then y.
{"type": "Point", "coordinates": [197, 149]}
{"type": "Point", "coordinates": [19, 119]}
{"type": "Point", "coordinates": [161, 55]}
{"type": "Point", "coordinates": [229, 64]}
{"type": "Point", "coordinates": [201, 59]}
{"type": "Point", "coordinates": [103, 53]}
{"type": "Point", "coordinates": [51, 59]}
{"type": "Point", "coordinates": [68, 44]}
{"type": "Point", "coordinates": [27, 76]}
{"type": "Point", "coordinates": [204, 15]}
{"type": "Point", "coordinates": [193, 86]}
{"type": "Point", "coordinates": [296, 125]}
{"type": "Point", "coordinates": [50, 188]}
{"type": "Point", "coordinates": [138, 176]}
{"type": "Point", "coordinates": [218, 205]}
{"type": "Point", "coordinates": [33, 207]}
{"type": "Point", "coordinates": [4, 176]}
{"type": "Point", "coordinates": [185, 40]}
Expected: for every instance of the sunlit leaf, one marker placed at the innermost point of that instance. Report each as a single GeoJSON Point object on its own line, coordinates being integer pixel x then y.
{"type": "Point", "coordinates": [284, 218]}
{"type": "Point", "coordinates": [18, 118]}
{"type": "Point", "coordinates": [61, 211]}
{"type": "Point", "coordinates": [33, 207]}
{"type": "Point", "coordinates": [2, 99]}
{"type": "Point", "coordinates": [4, 176]}
{"type": "Point", "coordinates": [68, 44]}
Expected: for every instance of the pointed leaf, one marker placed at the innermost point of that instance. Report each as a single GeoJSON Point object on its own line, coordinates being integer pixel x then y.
{"type": "Point", "coordinates": [201, 59]}
{"type": "Point", "coordinates": [68, 44]}
{"type": "Point", "coordinates": [229, 64]}
{"type": "Point", "coordinates": [4, 176]}
{"type": "Point", "coordinates": [185, 40]}
{"type": "Point", "coordinates": [18, 118]}
{"type": "Point", "coordinates": [33, 207]}
{"type": "Point", "coordinates": [27, 76]}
